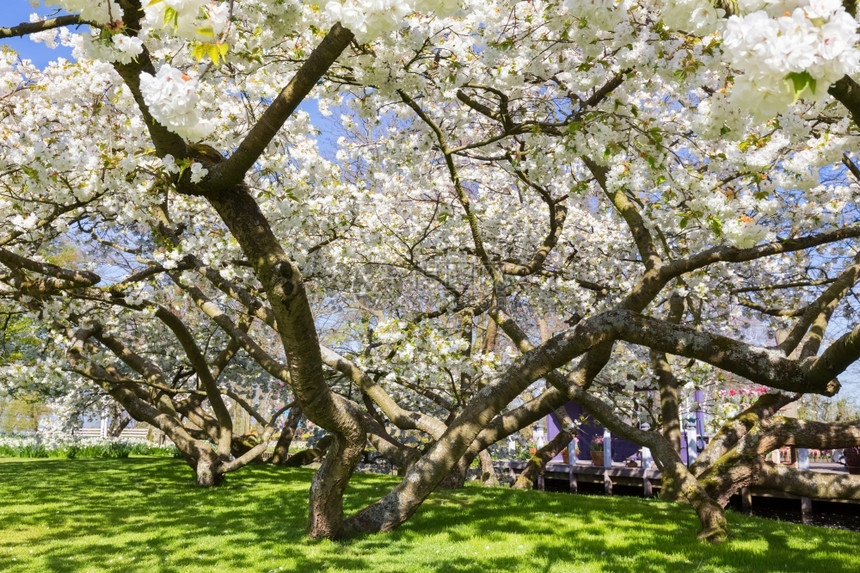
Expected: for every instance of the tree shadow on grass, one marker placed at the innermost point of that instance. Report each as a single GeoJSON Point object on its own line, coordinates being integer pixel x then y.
{"type": "Point", "coordinates": [146, 515]}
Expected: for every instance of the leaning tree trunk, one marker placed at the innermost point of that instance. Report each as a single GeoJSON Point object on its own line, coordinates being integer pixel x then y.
{"type": "Point", "coordinates": [488, 471]}
{"type": "Point", "coordinates": [458, 475]}
{"type": "Point", "coordinates": [745, 464]}
{"type": "Point", "coordinates": [809, 484]}
{"type": "Point", "coordinates": [539, 460]}
{"type": "Point", "coordinates": [710, 513]}
{"type": "Point", "coordinates": [282, 446]}
{"type": "Point", "coordinates": [118, 422]}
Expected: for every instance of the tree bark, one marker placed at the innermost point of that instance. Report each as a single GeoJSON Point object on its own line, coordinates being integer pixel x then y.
{"type": "Point", "coordinates": [669, 400]}
{"type": "Point", "coordinates": [286, 293]}
{"type": "Point", "coordinates": [488, 472]}
{"type": "Point", "coordinates": [808, 484]}
{"type": "Point", "coordinates": [538, 461]}
{"type": "Point", "coordinates": [735, 429]}
{"type": "Point", "coordinates": [207, 471]}
{"type": "Point", "coordinates": [669, 387]}
{"type": "Point", "coordinates": [282, 446]}
{"type": "Point", "coordinates": [744, 464]}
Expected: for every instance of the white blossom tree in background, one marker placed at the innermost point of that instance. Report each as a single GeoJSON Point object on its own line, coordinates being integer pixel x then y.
{"type": "Point", "coordinates": [499, 207]}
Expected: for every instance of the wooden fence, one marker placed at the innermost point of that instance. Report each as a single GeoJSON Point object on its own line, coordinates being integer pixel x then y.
{"type": "Point", "coordinates": [129, 433]}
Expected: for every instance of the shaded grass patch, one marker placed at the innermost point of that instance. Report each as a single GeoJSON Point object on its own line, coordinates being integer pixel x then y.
{"type": "Point", "coordinates": [144, 514]}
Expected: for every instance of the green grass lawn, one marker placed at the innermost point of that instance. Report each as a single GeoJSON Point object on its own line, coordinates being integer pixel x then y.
{"type": "Point", "coordinates": [144, 514]}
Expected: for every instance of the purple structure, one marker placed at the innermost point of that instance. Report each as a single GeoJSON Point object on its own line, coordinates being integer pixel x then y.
{"type": "Point", "coordinates": [588, 429]}
{"type": "Point", "coordinates": [623, 449]}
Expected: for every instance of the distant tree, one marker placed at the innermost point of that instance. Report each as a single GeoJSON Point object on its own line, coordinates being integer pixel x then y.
{"type": "Point", "coordinates": [21, 414]}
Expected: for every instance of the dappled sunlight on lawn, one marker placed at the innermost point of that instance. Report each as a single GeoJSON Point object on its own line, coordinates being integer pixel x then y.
{"type": "Point", "coordinates": [146, 515]}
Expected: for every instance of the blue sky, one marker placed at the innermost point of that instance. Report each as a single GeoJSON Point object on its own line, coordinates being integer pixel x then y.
{"type": "Point", "coordinates": [17, 11]}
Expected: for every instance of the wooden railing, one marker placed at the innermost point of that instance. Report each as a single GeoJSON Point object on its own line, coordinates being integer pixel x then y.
{"type": "Point", "coordinates": [130, 433]}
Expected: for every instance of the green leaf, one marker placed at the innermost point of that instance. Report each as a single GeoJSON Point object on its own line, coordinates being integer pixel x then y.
{"type": "Point", "coordinates": [573, 127]}
{"type": "Point", "coordinates": [206, 31]}
{"type": "Point", "coordinates": [198, 51]}
{"type": "Point", "coordinates": [214, 53]}
{"type": "Point", "coordinates": [716, 225]}
{"type": "Point", "coordinates": [799, 81]}
{"type": "Point", "coordinates": [171, 17]}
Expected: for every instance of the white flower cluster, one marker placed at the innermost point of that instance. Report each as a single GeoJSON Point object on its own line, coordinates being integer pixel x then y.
{"type": "Point", "coordinates": [126, 47]}
{"type": "Point", "coordinates": [691, 16]}
{"type": "Point", "coordinates": [120, 48]}
{"type": "Point", "coordinates": [47, 37]}
{"type": "Point", "coordinates": [203, 20]}
{"type": "Point", "coordinates": [788, 50]}
{"type": "Point", "coordinates": [97, 11]}
{"type": "Point", "coordinates": [172, 99]}
{"type": "Point", "coordinates": [198, 172]}
{"type": "Point", "coordinates": [603, 14]}
{"type": "Point", "coordinates": [368, 19]}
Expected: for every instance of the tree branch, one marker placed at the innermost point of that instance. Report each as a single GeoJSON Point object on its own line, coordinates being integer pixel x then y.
{"type": "Point", "coordinates": [230, 172]}
{"type": "Point", "coordinates": [26, 28]}
{"type": "Point", "coordinates": [847, 92]}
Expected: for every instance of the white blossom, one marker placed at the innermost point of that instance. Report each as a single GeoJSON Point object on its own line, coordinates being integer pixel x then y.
{"type": "Point", "coordinates": [47, 37]}
{"type": "Point", "coordinates": [202, 20]}
{"type": "Point", "coordinates": [98, 11]}
{"type": "Point", "coordinates": [796, 54]}
{"type": "Point", "coordinates": [198, 172]}
{"type": "Point", "coordinates": [129, 46]}
{"type": "Point", "coordinates": [172, 99]}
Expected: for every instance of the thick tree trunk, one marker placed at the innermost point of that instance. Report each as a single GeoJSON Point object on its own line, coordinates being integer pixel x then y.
{"type": "Point", "coordinates": [286, 293]}
{"type": "Point", "coordinates": [458, 475]}
{"type": "Point", "coordinates": [710, 513]}
{"type": "Point", "coordinates": [670, 412]}
{"type": "Point", "coordinates": [539, 460]}
{"type": "Point", "coordinates": [207, 472]}
{"type": "Point", "coordinates": [456, 478]}
{"type": "Point", "coordinates": [731, 473]}
{"type": "Point", "coordinates": [325, 516]}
